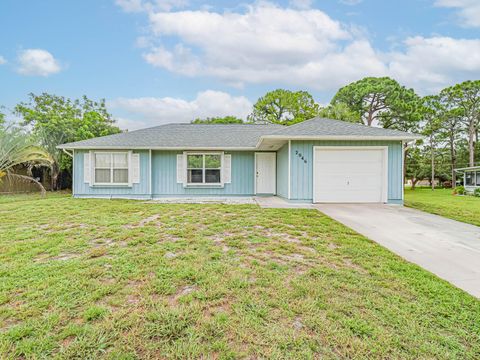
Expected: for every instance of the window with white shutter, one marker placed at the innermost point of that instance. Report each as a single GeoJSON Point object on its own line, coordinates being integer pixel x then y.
{"type": "Point", "coordinates": [227, 168]}
{"type": "Point", "coordinates": [86, 168]}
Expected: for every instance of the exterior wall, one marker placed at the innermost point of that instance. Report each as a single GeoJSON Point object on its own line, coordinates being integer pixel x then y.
{"type": "Point", "coordinates": [282, 171]}
{"type": "Point", "coordinates": [164, 179]}
{"type": "Point", "coordinates": [164, 174]}
{"type": "Point", "coordinates": [301, 173]}
{"type": "Point", "coordinates": [82, 189]}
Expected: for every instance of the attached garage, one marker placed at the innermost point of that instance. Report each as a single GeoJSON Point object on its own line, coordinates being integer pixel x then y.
{"type": "Point", "coordinates": [350, 174]}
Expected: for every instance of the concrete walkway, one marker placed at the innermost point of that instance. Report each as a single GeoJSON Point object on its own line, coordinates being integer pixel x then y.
{"type": "Point", "coordinates": [448, 248]}
{"type": "Point", "coordinates": [275, 202]}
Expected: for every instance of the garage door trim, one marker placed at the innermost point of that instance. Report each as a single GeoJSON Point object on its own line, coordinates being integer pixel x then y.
{"type": "Point", "coordinates": [384, 165]}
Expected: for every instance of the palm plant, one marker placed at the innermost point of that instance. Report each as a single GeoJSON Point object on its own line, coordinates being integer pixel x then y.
{"type": "Point", "coordinates": [16, 148]}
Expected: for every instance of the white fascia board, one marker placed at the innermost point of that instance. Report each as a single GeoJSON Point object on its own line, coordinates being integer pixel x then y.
{"type": "Point", "coordinates": [337, 137]}
{"type": "Point", "coordinates": [177, 148]}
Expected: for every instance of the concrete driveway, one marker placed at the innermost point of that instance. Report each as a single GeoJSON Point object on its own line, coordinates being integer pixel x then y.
{"type": "Point", "coordinates": [447, 248]}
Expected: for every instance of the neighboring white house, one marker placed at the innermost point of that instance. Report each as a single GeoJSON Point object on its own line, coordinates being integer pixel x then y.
{"type": "Point", "coordinates": [471, 177]}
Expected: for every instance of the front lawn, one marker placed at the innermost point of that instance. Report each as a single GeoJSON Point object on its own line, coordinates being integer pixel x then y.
{"type": "Point", "coordinates": [443, 202]}
{"type": "Point", "coordinates": [125, 279]}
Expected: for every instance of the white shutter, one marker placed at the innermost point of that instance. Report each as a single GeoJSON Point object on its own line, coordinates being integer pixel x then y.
{"type": "Point", "coordinates": [227, 169]}
{"type": "Point", "coordinates": [181, 169]}
{"type": "Point", "coordinates": [87, 168]}
{"type": "Point", "coordinates": [135, 168]}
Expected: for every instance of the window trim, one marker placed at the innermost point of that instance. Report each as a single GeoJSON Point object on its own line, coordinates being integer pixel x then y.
{"type": "Point", "coordinates": [473, 178]}
{"type": "Point", "coordinates": [204, 153]}
{"type": "Point", "coordinates": [111, 168]}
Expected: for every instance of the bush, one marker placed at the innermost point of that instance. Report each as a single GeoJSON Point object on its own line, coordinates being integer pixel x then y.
{"type": "Point", "coordinates": [476, 192]}
{"type": "Point", "coordinates": [459, 190]}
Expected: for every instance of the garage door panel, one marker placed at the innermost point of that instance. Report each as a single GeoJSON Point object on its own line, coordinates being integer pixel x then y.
{"type": "Point", "coordinates": [351, 156]}
{"type": "Point", "coordinates": [356, 168]}
{"type": "Point", "coordinates": [353, 175]}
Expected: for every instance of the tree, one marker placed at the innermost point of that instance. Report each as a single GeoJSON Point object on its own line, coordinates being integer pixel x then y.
{"type": "Point", "coordinates": [2, 118]}
{"type": "Point", "coordinates": [17, 148]}
{"type": "Point", "coordinates": [340, 111]}
{"type": "Point", "coordinates": [415, 166]}
{"type": "Point", "coordinates": [465, 97]}
{"type": "Point", "coordinates": [381, 101]}
{"type": "Point", "coordinates": [56, 120]}
{"type": "Point", "coordinates": [284, 107]}
{"type": "Point", "coordinates": [219, 120]}
{"type": "Point", "coordinates": [431, 110]}
{"type": "Point", "coordinates": [451, 127]}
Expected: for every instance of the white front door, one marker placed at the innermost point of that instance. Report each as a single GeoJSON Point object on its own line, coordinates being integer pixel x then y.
{"type": "Point", "coordinates": [351, 174]}
{"type": "Point", "coordinates": [265, 173]}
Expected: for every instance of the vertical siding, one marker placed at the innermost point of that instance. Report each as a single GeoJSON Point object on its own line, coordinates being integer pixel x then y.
{"type": "Point", "coordinates": [301, 175]}
{"type": "Point", "coordinates": [282, 171]}
{"type": "Point", "coordinates": [83, 189]}
{"type": "Point", "coordinates": [164, 180]}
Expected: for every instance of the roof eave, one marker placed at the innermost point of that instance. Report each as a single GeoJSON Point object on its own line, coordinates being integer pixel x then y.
{"type": "Point", "coordinates": [339, 137]}
{"type": "Point", "coordinates": [178, 148]}
{"type": "Point", "coordinates": [470, 168]}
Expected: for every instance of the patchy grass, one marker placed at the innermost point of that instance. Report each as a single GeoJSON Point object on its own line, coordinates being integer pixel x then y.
{"type": "Point", "coordinates": [125, 279]}
{"type": "Point", "coordinates": [443, 202]}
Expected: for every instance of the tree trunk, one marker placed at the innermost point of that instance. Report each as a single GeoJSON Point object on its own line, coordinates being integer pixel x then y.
{"type": "Point", "coordinates": [471, 145]}
{"type": "Point", "coordinates": [414, 182]}
{"type": "Point", "coordinates": [54, 174]}
{"type": "Point", "coordinates": [453, 162]}
{"type": "Point", "coordinates": [432, 150]}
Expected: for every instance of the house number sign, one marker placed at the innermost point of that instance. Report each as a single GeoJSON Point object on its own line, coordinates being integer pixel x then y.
{"type": "Point", "coordinates": [299, 154]}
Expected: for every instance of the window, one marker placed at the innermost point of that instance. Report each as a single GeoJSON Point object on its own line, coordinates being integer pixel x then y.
{"type": "Point", "coordinates": [478, 178]}
{"type": "Point", "coordinates": [111, 168]}
{"type": "Point", "coordinates": [204, 168]}
{"type": "Point", "coordinates": [469, 178]}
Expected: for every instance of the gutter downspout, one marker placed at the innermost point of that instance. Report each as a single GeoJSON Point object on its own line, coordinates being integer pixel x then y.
{"type": "Point", "coordinates": [289, 165]}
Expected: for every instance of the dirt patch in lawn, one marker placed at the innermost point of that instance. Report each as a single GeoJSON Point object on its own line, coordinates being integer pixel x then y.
{"type": "Point", "coordinates": [173, 300]}
{"type": "Point", "coordinates": [143, 222]}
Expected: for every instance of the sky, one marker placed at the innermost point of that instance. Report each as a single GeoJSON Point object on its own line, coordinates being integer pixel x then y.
{"type": "Point", "coordinates": [164, 61]}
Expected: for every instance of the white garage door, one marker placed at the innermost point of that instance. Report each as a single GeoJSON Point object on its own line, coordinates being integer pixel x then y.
{"type": "Point", "coordinates": [350, 174]}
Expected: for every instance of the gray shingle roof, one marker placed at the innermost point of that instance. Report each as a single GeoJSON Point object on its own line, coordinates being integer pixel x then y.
{"type": "Point", "coordinates": [182, 136]}
{"type": "Point", "coordinates": [321, 127]}
{"type": "Point", "coordinates": [198, 136]}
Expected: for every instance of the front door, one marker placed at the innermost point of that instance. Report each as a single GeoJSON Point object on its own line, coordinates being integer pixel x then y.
{"type": "Point", "coordinates": [265, 170]}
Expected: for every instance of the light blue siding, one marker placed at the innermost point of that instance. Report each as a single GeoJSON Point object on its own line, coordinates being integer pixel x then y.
{"type": "Point", "coordinates": [82, 189]}
{"type": "Point", "coordinates": [282, 171]}
{"type": "Point", "coordinates": [302, 167]}
{"type": "Point", "coordinates": [164, 180]}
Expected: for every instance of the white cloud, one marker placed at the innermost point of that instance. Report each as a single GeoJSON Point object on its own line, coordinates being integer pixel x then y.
{"type": "Point", "coordinates": [305, 48]}
{"type": "Point", "coordinates": [156, 111]}
{"type": "Point", "coordinates": [264, 44]}
{"type": "Point", "coordinates": [468, 10]}
{"type": "Point", "coordinates": [2, 60]}
{"type": "Point", "coordinates": [37, 62]}
{"type": "Point", "coordinates": [429, 64]}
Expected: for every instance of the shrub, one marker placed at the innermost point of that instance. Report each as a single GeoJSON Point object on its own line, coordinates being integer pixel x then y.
{"type": "Point", "coordinates": [476, 192]}
{"type": "Point", "coordinates": [459, 190]}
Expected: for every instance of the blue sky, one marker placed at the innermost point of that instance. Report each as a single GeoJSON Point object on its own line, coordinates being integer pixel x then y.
{"type": "Point", "coordinates": [174, 60]}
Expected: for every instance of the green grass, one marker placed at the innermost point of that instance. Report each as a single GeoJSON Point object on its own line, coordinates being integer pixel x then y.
{"type": "Point", "coordinates": [443, 202]}
{"type": "Point", "coordinates": [120, 279]}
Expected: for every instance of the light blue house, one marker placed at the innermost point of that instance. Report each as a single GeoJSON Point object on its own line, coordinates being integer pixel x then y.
{"type": "Point", "coordinates": [319, 160]}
